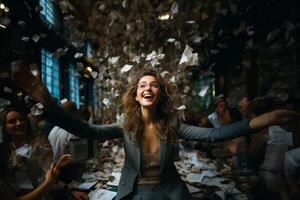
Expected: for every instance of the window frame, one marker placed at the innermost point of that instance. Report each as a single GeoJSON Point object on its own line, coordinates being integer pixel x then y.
{"type": "Point", "coordinates": [50, 72]}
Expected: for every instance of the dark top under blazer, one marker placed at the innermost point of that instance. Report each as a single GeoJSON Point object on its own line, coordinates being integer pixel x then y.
{"type": "Point", "coordinates": [170, 181]}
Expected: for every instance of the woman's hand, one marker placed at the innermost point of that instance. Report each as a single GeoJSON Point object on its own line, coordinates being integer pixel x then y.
{"type": "Point", "coordinates": [31, 84]}
{"type": "Point", "coordinates": [51, 174]}
{"type": "Point", "coordinates": [64, 160]}
{"type": "Point", "coordinates": [53, 171]}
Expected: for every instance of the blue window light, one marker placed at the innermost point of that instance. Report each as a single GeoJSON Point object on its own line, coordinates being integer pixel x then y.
{"type": "Point", "coordinates": [73, 85]}
{"type": "Point", "coordinates": [50, 73]}
{"type": "Point", "coordinates": [47, 11]}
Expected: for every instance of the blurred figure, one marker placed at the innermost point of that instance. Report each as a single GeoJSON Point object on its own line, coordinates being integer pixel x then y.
{"type": "Point", "coordinates": [58, 137]}
{"type": "Point", "coordinates": [292, 173]}
{"type": "Point", "coordinates": [59, 140]}
{"type": "Point", "coordinates": [246, 108]}
{"type": "Point", "coordinates": [16, 150]}
{"type": "Point", "coordinates": [217, 118]}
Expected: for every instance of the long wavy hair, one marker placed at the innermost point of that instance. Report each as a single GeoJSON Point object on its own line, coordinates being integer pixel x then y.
{"type": "Point", "coordinates": [133, 122]}
{"type": "Point", "coordinates": [5, 148]}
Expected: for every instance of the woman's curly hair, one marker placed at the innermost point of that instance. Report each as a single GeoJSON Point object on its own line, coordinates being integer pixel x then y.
{"type": "Point", "coordinates": [133, 122]}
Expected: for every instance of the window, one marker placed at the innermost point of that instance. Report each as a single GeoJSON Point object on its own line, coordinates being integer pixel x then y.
{"type": "Point", "coordinates": [73, 85]}
{"type": "Point", "coordinates": [47, 11]}
{"type": "Point", "coordinates": [50, 73]}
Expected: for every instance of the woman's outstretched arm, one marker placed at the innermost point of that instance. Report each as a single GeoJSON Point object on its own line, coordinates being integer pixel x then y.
{"type": "Point", "coordinates": [33, 86]}
{"type": "Point", "coordinates": [236, 129]}
{"type": "Point", "coordinates": [271, 118]}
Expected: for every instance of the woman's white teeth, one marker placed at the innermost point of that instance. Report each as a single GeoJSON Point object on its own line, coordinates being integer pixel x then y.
{"type": "Point", "coordinates": [147, 96]}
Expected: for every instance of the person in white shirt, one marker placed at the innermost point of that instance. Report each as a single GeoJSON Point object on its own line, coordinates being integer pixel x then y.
{"type": "Point", "coordinates": [58, 137]}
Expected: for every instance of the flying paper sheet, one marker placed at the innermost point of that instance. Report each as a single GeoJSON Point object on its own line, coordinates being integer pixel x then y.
{"type": "Point", "coordinates": [188, 57]}
{"type": "Point", "coordinates": [126, 68]}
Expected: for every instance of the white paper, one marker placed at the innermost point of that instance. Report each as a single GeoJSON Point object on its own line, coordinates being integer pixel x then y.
{"type": "Point", "coordinates": [173, 79]}
{"type": "Point", "coordinates": [183, 107]}
{"type": "Point", "coordinates": [214, 120]}
{"type": "Point", "coordinates": [126, 68]}
{"type": "Point", "coordinates": [94, 74]}
{"type": "Point", "coordinates": [221, 194]}
{"type": "Point", "coordinates": [36, 38]}
{"type": "Point", "coordinates": [102, 194]}
{"type": "Point", "coordinates": [207, 173]}
{"type": "Point", "coordinates": [25, 39]}
{"type": "Point", "coordinates": [8, 90]}
{"type": "Point", "coordinates": [78, 55]}
{"type": "Point", "coordinates": [188, 57]}
{"type": "Point", "coordinates": [164, 73]}
{"type": "Point", "coordinates": [106, 101]}
{"type": "Point", "coordinates": [190, 22]}
{"type": "Point", "coordinates": [280, 136]}
{"type": "Point", "coordinates": [113, 60]}
{"type": "Point", "coordinates": [115, 182]}
{"type": "Point", "coordinates": [171, 40]}
{"type": "Point", "coordinates": [24, 151]}
{"type": "Point", "coordinates": [197, 40]}
{"type": "Point", "coordinates": [192, 189]}
{"type": "Point", "coordinates": [87, 185]}
{"type": "Point", "coordinates": [203, 92]}
{"type": "Point", "coordinates": [174, 7]}
{"type": "Point", "coordinates": [186, 89]}
{"type": "Point", "coordinates": [194, 178]}
{"type": "Point", "coordinates": [89, 175]}
{"type": "Point", "coordinates": [21, 23]}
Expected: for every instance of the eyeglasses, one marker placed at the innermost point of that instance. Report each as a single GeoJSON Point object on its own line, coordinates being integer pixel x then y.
{"type": "Point", "coordinates": [152, 85]}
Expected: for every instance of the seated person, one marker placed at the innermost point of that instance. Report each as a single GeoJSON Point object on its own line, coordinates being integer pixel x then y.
{"type": "Point", "coordinates": [13, 122]}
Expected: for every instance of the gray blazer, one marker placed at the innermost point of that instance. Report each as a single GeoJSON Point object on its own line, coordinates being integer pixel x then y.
{"type": "Point", "coordinates": [170, 181]}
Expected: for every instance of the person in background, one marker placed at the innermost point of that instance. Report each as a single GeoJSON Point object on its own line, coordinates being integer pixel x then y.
{"type": "Point", "coordinates": [150, 132]}
{"type": "Point", "coordinates": [246, 108]}
{"type": "Point", "coordinates": [58, 137]}
{"type": "Point", "coordinates": [15, 152]}
{"type": "Point", "coordinates": [217, 118]}
{"type": "Point", "coordinates": [59, 140]}
{"type": "Point", "coordinates": [292, 173]}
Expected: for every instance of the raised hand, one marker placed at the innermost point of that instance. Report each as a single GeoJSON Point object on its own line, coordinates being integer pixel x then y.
{"type": "Point", "coordinates": [31, 84]}
{"type": "Point", "coordinates": [51, 174]}
{"type": "Point", "coordinates": [64, 160]}
{"type": "Point", "coordinates": [53, 171]}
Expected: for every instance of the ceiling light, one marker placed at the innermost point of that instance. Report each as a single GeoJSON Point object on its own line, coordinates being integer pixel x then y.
{"type": "Point", "coordinates": [2, 6]}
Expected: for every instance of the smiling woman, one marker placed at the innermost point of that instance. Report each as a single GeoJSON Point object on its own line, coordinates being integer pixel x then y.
{"type": "Point", "coordinates": [16, 126]}
{"type": "Point", "coordinates": [148, 91]}
{"type": "Point", "coordinates": [15, 156]}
